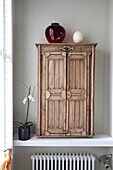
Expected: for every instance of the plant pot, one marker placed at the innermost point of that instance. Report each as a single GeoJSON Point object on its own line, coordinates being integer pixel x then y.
{"type": "Point", "coordinates": [24, 134]}
{"type": "Point", "coordinates": [55, 33]}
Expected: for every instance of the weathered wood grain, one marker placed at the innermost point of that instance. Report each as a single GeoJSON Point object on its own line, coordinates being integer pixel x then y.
{"type": "Point", "coordinates": [66, 90]}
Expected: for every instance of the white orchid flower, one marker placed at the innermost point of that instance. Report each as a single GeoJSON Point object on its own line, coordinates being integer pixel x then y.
{"type": "Point", "coordinates": [31, 98]}
{"type": "Point", "coordinates": [25, 100]}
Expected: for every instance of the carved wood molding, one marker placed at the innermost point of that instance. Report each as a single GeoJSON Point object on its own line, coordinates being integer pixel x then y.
{"type": "Point", "coordinates": [56, 94]}
{"type": "Point", "coordinates": [47, 94]}
{"type": "Point", "coordinates": [67, 48]}
{"type": "Point", "coordinates": [68, 94]}
{"type": "Point", "coordinates": [63, 94]}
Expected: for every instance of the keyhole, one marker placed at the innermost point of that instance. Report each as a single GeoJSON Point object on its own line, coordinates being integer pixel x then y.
{"type": "Point", "coordinates": [68, 94]}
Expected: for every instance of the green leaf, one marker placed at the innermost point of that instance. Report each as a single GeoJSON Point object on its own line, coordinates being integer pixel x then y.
{"type": "Point", "coordinates": [29, 122]}
{"type": "Point", "coordinates": [21, 125]}
{"type": "Point", "coordinates": [29, 125]}
{"type": "Point", "coordinates": [16, 122]}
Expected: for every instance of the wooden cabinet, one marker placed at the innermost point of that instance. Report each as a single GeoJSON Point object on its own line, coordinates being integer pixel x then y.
{"type": "Point", "coordinates": [66, 90]}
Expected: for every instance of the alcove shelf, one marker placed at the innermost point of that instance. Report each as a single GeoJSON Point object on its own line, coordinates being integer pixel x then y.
{"type": "Point", "coordinates": [99, 140]}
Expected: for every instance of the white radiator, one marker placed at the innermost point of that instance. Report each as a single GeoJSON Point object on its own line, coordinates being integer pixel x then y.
{"type": "Point", "coordinates": [63, 161]}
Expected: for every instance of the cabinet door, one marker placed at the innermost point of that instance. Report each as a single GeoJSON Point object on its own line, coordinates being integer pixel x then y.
{"type": "Point", "coordinates": [77, 77]}
{"type": "Point", "coordinates": [55, 93]}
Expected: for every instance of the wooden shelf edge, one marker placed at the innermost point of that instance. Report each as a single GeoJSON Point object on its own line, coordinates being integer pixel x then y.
{"type": "Point", "coordinates": [99, 140]}
{"type": "Point", "coordinates": [66, 43]}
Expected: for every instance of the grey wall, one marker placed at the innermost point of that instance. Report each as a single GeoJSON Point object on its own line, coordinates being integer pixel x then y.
{"type": "Point", "coordinates": [31, 19]}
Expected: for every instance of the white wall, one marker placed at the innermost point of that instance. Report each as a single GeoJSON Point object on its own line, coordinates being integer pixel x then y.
{"type": "Point", "coordinates": [109, 76]}
{"type": "Point", "coordinates": [31, 19]}
{"type": "Point", "coordinates": [25, 164]}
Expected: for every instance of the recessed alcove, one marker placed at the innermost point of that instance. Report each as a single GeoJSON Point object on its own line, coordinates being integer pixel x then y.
{"type": "Point", "coordinates": [95, 20]}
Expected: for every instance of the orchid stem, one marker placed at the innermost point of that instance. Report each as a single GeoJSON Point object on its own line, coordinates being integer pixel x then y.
{"type": "Point", "coordinates": [28, 104]}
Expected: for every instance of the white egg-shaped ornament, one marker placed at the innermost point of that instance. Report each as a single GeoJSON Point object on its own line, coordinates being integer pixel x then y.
{"type": "Point", "coordinates": [77, 37]}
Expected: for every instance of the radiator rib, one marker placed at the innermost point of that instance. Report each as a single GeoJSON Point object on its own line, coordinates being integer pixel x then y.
{"type": "Point", "coordinates": [64, 161]}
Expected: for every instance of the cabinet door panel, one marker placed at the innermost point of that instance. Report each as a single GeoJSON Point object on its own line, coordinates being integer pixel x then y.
{"type": "Point", "coordinates": [76, 123]}
{"type": "Point", "coordinates": [55, 93]}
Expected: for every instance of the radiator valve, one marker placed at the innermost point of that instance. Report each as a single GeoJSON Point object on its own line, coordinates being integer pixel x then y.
{"type": "Point", "coordinates": [106, 160]}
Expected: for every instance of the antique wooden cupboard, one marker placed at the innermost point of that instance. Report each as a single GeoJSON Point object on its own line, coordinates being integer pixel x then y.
{"type": "Point", "coordinates": [66, 89]}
